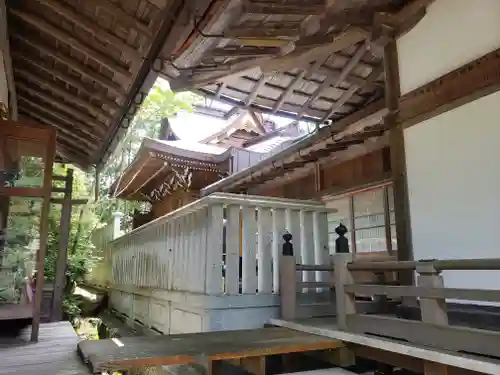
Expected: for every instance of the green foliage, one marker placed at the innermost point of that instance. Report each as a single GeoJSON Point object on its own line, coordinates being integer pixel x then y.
{"type": "Point", "coordinates": [24, 213]}
{"type": "Point", "coordinates": [160, 103]}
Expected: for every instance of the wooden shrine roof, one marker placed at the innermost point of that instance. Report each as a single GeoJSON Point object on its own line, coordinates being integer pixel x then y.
{"type": "Point", "coordinates": [360, 133]}
{"type": "Point", "coordinates": [159, 166]}
{"type": "Point", "coordinates": [315, 60]}
{"type": "Point", "coordinates": [85, 66]}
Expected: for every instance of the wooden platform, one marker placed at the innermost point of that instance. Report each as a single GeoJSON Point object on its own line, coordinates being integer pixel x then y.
{"type": "Point", "coordinates": [393, 349]}
{"type": "Point", "coordinates": [136, 352]}
{"type": "Point", "coordinates": [54, 354]}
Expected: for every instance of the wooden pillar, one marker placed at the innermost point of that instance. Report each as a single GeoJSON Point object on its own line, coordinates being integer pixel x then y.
{"type": "Point", "coordinates": [62, 255]}
{"type": "Point", "coordinates": [398, 158]}
{"type": "Point", "coordinates": [49, 156]}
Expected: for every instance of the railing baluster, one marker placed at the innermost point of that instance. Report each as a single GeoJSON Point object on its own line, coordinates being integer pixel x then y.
{"type": "Point", "coordinates": [249, 276]}
{"type": "Point", "coordinates": [214, 250]}
{"type": "Point", "coordinates": [202, 245]}
{"type": "Point", "coordinates": [264, 275]}
{"type": "Point", "coordinates": [293, 226]}
{"type": "Point", "coordinates": [232, 249]}
{"type": "Point", "coordinates": [278, 225]}
{"type": "Point", "coordinates": [321, 252]}
{"type": "Point", "coordinates": [306, 244]}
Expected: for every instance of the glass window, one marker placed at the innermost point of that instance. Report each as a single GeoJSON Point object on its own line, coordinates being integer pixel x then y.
{"type": "Point", "coordinates": [369, 218]}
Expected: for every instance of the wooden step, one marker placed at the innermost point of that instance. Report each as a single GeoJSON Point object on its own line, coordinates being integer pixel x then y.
{"type": "Point", "coordinates": [121, 354]}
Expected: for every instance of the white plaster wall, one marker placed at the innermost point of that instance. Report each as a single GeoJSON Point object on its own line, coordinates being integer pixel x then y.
{"type": "Point", "coordinates": [453, 163]}
{"type": "Point", "coordinates": [453, 33]}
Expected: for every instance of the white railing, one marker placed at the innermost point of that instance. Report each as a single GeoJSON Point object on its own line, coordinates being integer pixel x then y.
{"type": "Point", "coordinates": [197, 248]}
{"type": "Point", "coordinates": [100, 274]}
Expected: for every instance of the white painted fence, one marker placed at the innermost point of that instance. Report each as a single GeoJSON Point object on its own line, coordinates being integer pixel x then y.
{"type": "Point", "coordinates": [197, 247]}
{"type": "Point", "coordinates": [100, 274]}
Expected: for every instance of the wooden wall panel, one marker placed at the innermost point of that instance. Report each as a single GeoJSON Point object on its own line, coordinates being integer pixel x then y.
{"type": "Point", "coordinates": [356, 172]}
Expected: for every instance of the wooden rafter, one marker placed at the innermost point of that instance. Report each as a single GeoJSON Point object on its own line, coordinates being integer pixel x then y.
{"type": "Point", "coordinates": [72, 81]}
{"type": "Point", "coordinates": [149, 179]}
{"type": "Point", "coordinates": [350, 92]}
{"type": "Point", "coordinates": [60, 137]}
{"type": "Point", "coordinates": [70, 110]}
{"type": "Point", "coordinates": [299, 77]}
{"type": "Point", "coordinates": [62, 132]}
{"type": "Point", "coordinates": [65, 128]}
{"type": "Point", "coordinates": [255, 89]}
{"type": "Point", "coordinates": [77, 126]}
{"type": "Point", "coordinates": [75, 65]}
{"type": "Point", "coordinates": [298, 7]}
{"type": "Point", "coordinates": [290, 61]}
{"type": "Point", "coordinates": [91, 26]}
{"type": "Point", "coordinates": [335, 81]}
{"type": "Point", "coordinates": [122, 17]}
{"type": "Point", "coordinates": [67, 95]}
{"type": "Point", "coordinates": [279, 30]}
{"type": "Point", "coordinates": [73, 42]}
{"type": "Point", "coordinates": [243, 51]}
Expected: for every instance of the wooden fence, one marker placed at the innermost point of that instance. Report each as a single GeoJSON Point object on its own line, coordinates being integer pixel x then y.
{"type": "Point", "coordinates": [222, 244]}
{"type": "Point", "coordinates": [349, 291]}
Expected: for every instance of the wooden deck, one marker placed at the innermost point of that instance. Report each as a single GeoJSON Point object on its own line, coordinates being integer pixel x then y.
{"type": "Point", "coordinates": [54, 354]}
{"type": "Point", "coordinates": [399, 350]}
{"type": "Point", "coordinates": [135, 352]}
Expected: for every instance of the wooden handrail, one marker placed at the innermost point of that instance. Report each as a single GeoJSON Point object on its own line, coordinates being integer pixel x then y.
{"type": "Point", "coordinates": [440, 265]}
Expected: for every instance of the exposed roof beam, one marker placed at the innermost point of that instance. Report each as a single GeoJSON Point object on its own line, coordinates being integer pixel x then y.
{"type": "Point", "coordinates": [299, 77]}
{"type": "Point", "coordinates": [122, 17]}
{"type": "Point", "coordinates": [255, 89]}
{"type": "Point", "coordinates": [351, 91]}
{"type": "Point", "coordinates": [76, 83]}
{"type": "Point", "coordinates": [298, 7]}
{"type": "Point", "coordinates": [243, 51]}
{"type": "Point", "coordinates": [73, 42]}
{"type": "Point", "coordinates": [74, 124]}
{"type": "Point", "coordinates": [335, 81]}
{"type": "Point", "coordinates": [295, 59]}
{"type": "Point", "coordinates": [75, 65]}
{"type": "Point", "coordinates": [65, 132]}
{"type": "Point", "coordinates": [258, 122]}
{"type": "Point", "coordinates": [73, 143]}
{"type": "Point", "coordinates": [72, 111]}
{"type": "Point", "coordinates": [149, 179]}
{"type": "Point", "coordinates": [221, 88]}
{"type": "Point", "coordinates": [57, 90]}
{"type": "Point", "coordinates": [279, 30]}
{"type": "Point", "coordinates": [9, 73]}
{"type": "Point", "coordinates": [92, 27]}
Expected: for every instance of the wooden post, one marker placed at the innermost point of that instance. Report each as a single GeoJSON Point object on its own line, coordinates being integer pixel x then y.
{"type": "Point", "coordinates": [62, 255]}
{"type": "Point", "coordinates": [49, 157]}
{"type": "Point", "coordinates": [346, 303]}
{"type": "Point", "coordinates": [117, 225]}
{"type": "Point", "coordinates": [288, 284]}
{"type": "Point", "coordinates": [398, 159]}
{"type": "Point", "coordinates": [432, 310]}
